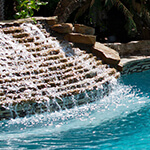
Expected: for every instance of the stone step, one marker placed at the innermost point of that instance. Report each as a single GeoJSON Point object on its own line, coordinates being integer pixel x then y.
{"type": "Point", "coordinates": [77, 81]}
{"type": "Point", "coordinates": [107, 54]}
{"type": "Point", "coordinates": [21, 35]}
{"type": "Point", "coordinates": [39, 47]}
{"type": "Point", "coordinates": [72, 78]}
{"type": "Point", "coordinates": [48, 62]}
{"type": "Point", "coordinates": [53, 104]}
{"type": "Point", "coordinates": [9, 30]}
{"type": "Point", "coordinates": [25, 40]}
{"type": "Point", "coordinates": [62, 91]}
{"type": "Point", "coordinates": [42, 72]}
{"type": "Point", "coordinates": [46, 52]}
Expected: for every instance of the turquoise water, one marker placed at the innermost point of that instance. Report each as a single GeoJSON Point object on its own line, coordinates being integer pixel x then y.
{"type": "Point", "coordinates": [118, 121]}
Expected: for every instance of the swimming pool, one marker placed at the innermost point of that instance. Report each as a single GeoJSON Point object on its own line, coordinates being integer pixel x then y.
{"type": "Point", "coordinates": [118, 121]}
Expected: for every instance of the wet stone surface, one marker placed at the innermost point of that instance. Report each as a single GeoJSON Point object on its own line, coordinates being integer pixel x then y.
{"type": "Point", "coordinates": [39, 73]}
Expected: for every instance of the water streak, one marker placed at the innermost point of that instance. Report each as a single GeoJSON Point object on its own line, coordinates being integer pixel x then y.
{"type": "Point", "coordinates": [116, 121]}
{"type": "Point", "coordinates": [46, 74]}
{"type": "Point", "coordinates": [119, 104]}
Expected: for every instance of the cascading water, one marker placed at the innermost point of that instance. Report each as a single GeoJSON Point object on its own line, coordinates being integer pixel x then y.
{"type": "Point", "coordinates": [40, 75]}
{"type": "Point", "coordinates": [112, 122]}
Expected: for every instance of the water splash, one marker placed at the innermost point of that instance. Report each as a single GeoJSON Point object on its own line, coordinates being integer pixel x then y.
{"type": "Point", "coordinates": [26, 65]}
{"type": "Point", "coordinates": [120, 103]}
{"type": "Point", "coordinates": [108, 122]}
{"type": "Point", "coordinates": [40, 73]}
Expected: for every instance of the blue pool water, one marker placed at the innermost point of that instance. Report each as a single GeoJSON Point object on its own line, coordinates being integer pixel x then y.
{"type": "Point", "coordinates": [119, 121]}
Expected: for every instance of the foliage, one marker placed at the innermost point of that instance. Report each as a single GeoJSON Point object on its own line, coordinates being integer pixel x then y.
{"type": "Point", "coordinates": [131, 9]}
{"type": "Point", "coordinates": [25, 8]}
{"type": "Point", "coordinates": [130, 23]}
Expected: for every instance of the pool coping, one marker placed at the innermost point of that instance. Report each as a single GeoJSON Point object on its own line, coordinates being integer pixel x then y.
{"type": "Point", "coordinates": [135, 64]}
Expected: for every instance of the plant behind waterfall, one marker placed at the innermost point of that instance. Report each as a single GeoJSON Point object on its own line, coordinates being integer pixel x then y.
{"type": "Point", "coordinates": [26, 8]}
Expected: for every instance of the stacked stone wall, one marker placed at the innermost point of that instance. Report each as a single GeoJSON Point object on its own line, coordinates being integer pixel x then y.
{"type": "Point", "coordinates": [60, 81]}
{"type": "Point", "coordinates": [139, 64]}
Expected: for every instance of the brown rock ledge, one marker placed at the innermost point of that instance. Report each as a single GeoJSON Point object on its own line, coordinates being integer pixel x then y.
{"type": "Point", "coordinates": [107, 54]}
{"type": "Point", "coordinates": [80, 38]}
{"type": "Point", "coordinates": [80, 28]}
{"type": "Point", "coordinates": [62, 28]}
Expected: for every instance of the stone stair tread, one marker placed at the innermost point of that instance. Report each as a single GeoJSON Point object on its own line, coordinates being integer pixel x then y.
{"type": "Point", "coordinates": [62, 93]}
{"type": "Point", "coordinates": [25, 40]}
{"type": "Point", "coordinates": [9, 30]}
{"type": "Point", "coordinates": [21, 35]}
{"type": "Point", "coordinates": [43, 73]}
{"type": "Point", "coordinates": [46, 52]}
{"type": "Point", "coordinates": [110, 71]}
{"type": "Point", "coordinates": [39, 47]}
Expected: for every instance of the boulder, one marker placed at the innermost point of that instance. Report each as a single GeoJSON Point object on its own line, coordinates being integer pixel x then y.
{"type": "Point", "coordinates": [80, 38]}
{"type": "Point", "coordinates": [52, 20]}
{"type": "Point", "coordinates": [132, 48]}
{"type": "Point", "coordinates": [63, 28]}
{"type": "Point", "coordinates": [107, 54]}
{"type": "Point", "coordinates": [80, 28]}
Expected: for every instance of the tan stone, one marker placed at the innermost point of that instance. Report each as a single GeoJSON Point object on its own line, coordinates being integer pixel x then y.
{"type": "Point", "coordinates": [107, 54]}
{"type": "Point", "coordinates": [62, 28]}
{"type": "Point", "coordinates": [80, 38]}
{"type": "Point", "coordinates": [50, 20]}
{"type": "Point", "coordinates": [132, 48]}
{"type": "Point", "coordinates": [80, 28]}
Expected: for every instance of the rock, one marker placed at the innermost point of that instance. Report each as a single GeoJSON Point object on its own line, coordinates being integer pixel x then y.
{"type": "Point", "coordinates": [132, 48]}
{"type": "Point", "coordinates": [119, 67]}
{"type": "Point", "coordinates": [80, 28]}
{"type": "Point", "coordinates": [107, 54]}
{"type": "Point", "coordinates": [62, 28]}
{"type": "Point", "coordinates": [52, 20]}
{"type": "Point", "coordinates": [80, 38]}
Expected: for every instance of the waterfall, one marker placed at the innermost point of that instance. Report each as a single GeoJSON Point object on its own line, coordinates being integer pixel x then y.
{"type": "Point", "coordinates": [39, 73]}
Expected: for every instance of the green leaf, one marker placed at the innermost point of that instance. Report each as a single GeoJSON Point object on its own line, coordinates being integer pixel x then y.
{"type": "Point", "coordinates": [25, 7]}
{"type": "Point", "coordinates": [31, 12]}
{"type": "Point", "coordinates": [34, 20]}
{"type": "Point", "coordinates": [42, 3]}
